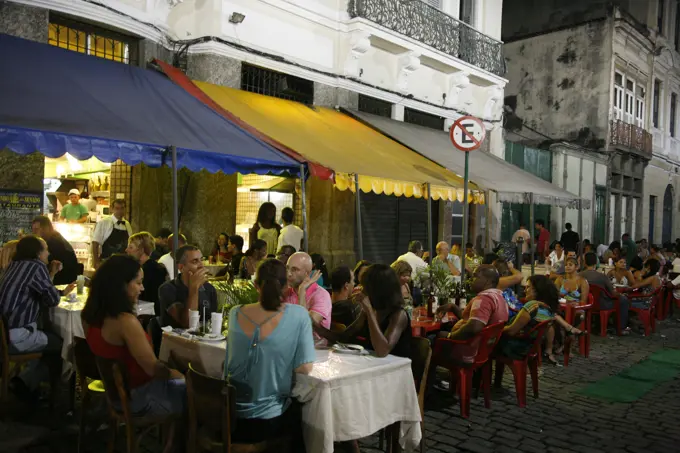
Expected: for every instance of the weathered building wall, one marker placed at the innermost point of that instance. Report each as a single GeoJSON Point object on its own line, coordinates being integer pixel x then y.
{"type": "Point", "coordinates": [658, 175]}
{"type": "Point", "coordinates": [560, 83]}
{"type": "Point", "coordinates": [22, 172]}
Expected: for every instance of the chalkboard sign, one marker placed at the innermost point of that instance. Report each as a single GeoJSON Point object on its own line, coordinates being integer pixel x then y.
{"type": "Point", "coordinates": [17, 210]}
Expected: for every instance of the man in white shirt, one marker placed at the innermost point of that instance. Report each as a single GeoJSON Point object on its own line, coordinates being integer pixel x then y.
{"type": "Point", "coordinates": [111, 234]}
{"type": "Point", "coordinates": [290, 234]}
{"type": "Point", "coordinates": [415, 257]}
{"type": "Point", "coordinates": [168, 260]}
{"type": "Point", "coordinates": [526, 238]}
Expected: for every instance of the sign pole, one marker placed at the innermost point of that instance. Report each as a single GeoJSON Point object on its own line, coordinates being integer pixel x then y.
{"type": "Point", "coordinates": [467, 134]}
{"type": "Point", "coordinates": [466, 211]}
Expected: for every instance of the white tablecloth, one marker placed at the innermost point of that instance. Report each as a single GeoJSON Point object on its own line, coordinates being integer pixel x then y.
{"type": "Point", "coordinates": [65, 321]}
{"type": "Point", "coordinates": [350, 397]}
{"type": "Point", "coordinates": [346, 397]}
{"type": "Point", "coordinates": [209, 356]}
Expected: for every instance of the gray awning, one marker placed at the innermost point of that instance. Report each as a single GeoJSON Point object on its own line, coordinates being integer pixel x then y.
{"type": "Point", "coordinates": [511, 183]}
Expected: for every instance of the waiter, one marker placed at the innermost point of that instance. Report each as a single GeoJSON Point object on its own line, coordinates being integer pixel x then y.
{"type": "Point", "coordinates": [111, 234]}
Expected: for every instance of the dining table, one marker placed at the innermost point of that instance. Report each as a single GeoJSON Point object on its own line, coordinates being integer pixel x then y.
{"type": "Point", "coordinates": [64, 320]}
{"type": "Point", "coordinates": [345, 397]}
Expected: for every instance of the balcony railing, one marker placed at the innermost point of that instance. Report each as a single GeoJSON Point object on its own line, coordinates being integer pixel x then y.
{"type": "Point", "coordinates": [631, 136]}
{"type": "Point", "coordinates": [427, 24]}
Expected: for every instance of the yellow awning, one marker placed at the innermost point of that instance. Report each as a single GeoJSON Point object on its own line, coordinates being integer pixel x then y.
{"type": "Point", "coordinates": [342, 144]}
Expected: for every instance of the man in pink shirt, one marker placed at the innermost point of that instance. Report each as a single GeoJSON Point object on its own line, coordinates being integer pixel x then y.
{"type": "Point", "coordinates": [486, 308]}
{"type": "Point", "coordinates": [303, 290]}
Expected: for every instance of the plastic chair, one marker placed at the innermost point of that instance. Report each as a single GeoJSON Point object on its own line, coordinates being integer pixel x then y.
{"type": "Point", "coordinates": [462, 372]}
{"type": "Point", "coordinates": [586, 323]}
{"type": "Point", "coordinates": [647, 315]}
{"type": "Point", "coordinates": [86, 368]}
{"type": "Point", "coordinates": [212, 418]}
{"type": "Point", "coordinates": [597, 292]}
{"type": "Point", "coordinates": [519, 366]}
{"type": "Point", "coordinates": [114, 376]}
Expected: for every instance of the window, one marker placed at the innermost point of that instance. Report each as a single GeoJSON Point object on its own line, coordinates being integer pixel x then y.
{"type": "Point", "coordinates": [423, 119]}
{"type": "Point", "coordinates": [91, 40]}
{"type": "Point", "coordinates": [435, 3]}
{"type": "Point", "coordinates": [618, 96]}
{"type": "Point", "coordinates": [275, 84]}
{"type": "Point", "coordinates": [674, 102]}
{"type": "Point", "coordinates": [656, 101]}
{"type": "Point", "coordinates": [661, 5]}
{"type": "Point", "coordinates": [375, 106]}
{"type": "Point", "coordinates": [467, 12]}
{"type": "Point", "coordinates": [677, 26]}
{"type": "Point", "coordinates": [629, 100]}
{"type": "Point", "coordinates": [640, 107]}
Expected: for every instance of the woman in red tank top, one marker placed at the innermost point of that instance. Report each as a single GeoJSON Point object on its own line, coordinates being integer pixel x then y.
{"type": "Point", "coordinates": [114, 332]}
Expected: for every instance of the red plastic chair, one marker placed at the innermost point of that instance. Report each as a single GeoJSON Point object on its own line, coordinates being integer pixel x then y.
{"type": "Point", "coordinates": [663, 310]}
{"type": "Point", "coordinates": [647, 315]}
{"type": "Point", "coordinates": [586, 323]}
{"type": "Point", "coordinates": [519, 366]}
{"type": "Point", "coordinates": [461, 372]}
{"type": "Point", "coordinates": [597, 292]}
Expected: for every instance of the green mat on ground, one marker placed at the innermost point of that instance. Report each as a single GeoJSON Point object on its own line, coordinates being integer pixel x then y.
{"type": "Point", "coordinates": [633, 383]}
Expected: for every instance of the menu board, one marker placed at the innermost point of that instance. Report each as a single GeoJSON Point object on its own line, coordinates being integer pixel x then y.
{"type": "Point", "coordinates": [17, 211]}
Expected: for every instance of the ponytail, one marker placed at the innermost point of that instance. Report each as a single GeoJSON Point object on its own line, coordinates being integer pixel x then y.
{"type": "Point", "coordinates": [271, 279]}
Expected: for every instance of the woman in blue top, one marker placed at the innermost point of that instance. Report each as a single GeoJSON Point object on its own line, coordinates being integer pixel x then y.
{"type": "Point", "coordinates": [268, 342]}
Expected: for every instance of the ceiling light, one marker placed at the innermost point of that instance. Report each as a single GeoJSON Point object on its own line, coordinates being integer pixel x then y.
{"type": "Point", "coordinates": [236, 18]}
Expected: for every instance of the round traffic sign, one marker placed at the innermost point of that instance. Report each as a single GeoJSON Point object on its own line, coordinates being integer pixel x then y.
{"type": "Point", "coordinates": [467, 133]}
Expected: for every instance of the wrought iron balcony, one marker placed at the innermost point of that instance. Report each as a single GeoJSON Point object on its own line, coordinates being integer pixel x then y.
{"type": "Point", "coordinates": [420, 21]}
{"type": "Point", "coordinates": [631, 136]}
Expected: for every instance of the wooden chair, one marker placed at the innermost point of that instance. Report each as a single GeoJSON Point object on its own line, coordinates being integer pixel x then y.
{"type": "Point", "coordinates": [212, 415]}
{"type": "Point", "coordinates": [11, 365]}
{"type": "Point", "coordinates": [86, 368]}
{"type": "Point", "coordinates": [145, 320]}
{"type": "Point", "coordinates": [115, 378]}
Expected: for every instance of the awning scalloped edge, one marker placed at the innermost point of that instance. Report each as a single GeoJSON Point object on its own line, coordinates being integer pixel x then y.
{"type": "Point", "coordinates": [345, 181]}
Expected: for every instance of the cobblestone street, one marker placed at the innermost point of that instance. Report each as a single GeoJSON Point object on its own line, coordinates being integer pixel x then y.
{"type": "Point", "coordinates": [559, 421]}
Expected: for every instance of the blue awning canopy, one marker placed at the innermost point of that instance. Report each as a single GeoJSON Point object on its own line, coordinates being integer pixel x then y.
{"type": "Point", "coordinates": [57, 101]}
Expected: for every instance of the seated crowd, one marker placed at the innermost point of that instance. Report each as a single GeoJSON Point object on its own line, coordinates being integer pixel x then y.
{"type": "Point", "coordinates": [368, 305]}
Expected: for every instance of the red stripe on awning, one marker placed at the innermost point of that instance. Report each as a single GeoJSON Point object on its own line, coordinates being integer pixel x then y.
{"type": "Point", "coordinates": [185, 82]}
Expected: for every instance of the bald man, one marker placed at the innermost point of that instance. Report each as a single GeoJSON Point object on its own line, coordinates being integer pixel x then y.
{"type": "Point", "coordinates": [303, 290]}
{"type": "Point", "coordinates": [445, 260]}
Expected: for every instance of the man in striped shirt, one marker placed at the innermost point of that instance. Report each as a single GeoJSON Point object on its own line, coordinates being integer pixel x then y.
{"type": "Point", "coordinates": [25, 286]}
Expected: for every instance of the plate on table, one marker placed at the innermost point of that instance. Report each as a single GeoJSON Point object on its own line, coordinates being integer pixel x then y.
{"type": "Point", "coordinates": [348, 348]}
{"type": "Point", "coordinates": [206, 336]}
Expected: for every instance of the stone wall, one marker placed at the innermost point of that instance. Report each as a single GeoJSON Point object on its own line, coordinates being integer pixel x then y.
{"type": "Point", "coordinates": [658, 175]}
{"type": "Point", "coordinates": [215, 69]}
{"type": "Point", "coordinates": [559, 84]}
{"type": "Point", "coordinates": [22, 172]}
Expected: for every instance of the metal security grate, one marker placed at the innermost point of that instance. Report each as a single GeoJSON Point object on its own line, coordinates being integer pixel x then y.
{"type": "Point", "coordinates": [275, 84]}
{"type": "Point", "coordinates": [375, 106]}
{"type": "Point", "coordinates": [91, 40]}
{"type": "Point", "coordinates": [423, 119]}
{"type": "Point", "coordinates": [121, 184]}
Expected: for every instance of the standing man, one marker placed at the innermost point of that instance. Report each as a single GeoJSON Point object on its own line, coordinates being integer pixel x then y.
{"type": "Point", "coordinates": [303, 290]}
{"type": "Point", "coordinates": [290, 234]}
{"type": "Point", "coordinates": [59, 249]}
{"type": "Point", "coordinates": [415, 257]}
{"type": "Point", "coordinates": [446, 260]}
{"type": "Point", "coordinates": [629, 248]}
{"type": "Point", "coordinates": [189, 291]}
{"type": "Point", "coordinates": [524, 234]}
{"type": "Point", "coordinates": [543, 242]}
{"type": "Point", "coordinates": [111, 234]}
{"type": "Point", "coordinates": [74, 212]}
{"type": "Point", "coordinates": [569, 239]}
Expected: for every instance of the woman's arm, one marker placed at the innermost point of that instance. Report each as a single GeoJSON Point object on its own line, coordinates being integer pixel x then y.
{"type": "Point", "coordinates": [518, 323]}
{"type": "Point", "coordinates": [305, 368]}
{"type": "Point", "coordinates": [384, 343]}
{"type": "Point", "coordinates": [649, 281]}
{"type": "Point", "coordinates": [137, 343]}
{"type": "Point", "coordinates": [347, 335]}
{"type": "Point", "coordinates": [511, 280]}
{"type": "Point", "coordinates": [630, 277]}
